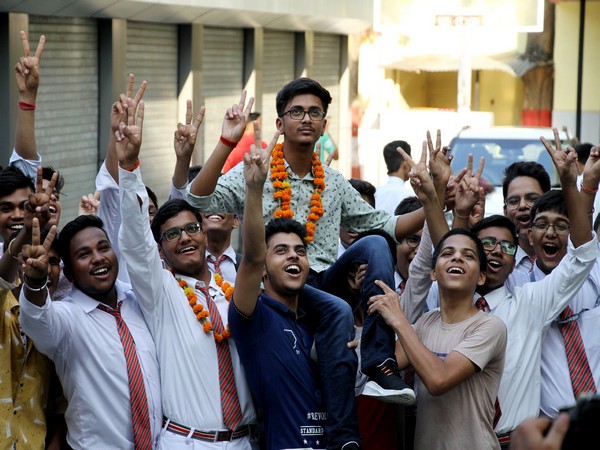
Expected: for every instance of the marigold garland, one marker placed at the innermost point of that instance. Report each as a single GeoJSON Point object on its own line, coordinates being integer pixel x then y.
{"type": "Point", "coordinates": [283, 191]}
{"type": "Point", "coordinates": [201, 313]}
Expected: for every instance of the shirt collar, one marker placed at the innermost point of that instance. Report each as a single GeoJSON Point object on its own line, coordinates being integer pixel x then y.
{"type": "Point", "coordinates": [229, 252]}
{"type": "Point", "coordinates": [283, 309]}
{"type": "Point", "coordinates": [88, 304]}
{"type": "Point", "coordinates": [494, 298]}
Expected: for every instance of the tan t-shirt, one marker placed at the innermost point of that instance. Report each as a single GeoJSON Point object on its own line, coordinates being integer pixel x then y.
{"type": "Point", "coordinates": [463, 416]}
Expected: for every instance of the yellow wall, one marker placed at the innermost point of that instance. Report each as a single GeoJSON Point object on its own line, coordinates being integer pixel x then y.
{"type": "Point", "coordinates": [502, 94]}
{"type": "Point", "coordinates": [566, 48]}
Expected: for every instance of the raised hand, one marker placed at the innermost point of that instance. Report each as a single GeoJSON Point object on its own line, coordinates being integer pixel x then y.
{"type": "Point", "coordinates": [565, 161]}
{"type": "Point", "coordinates": [38, 204]}
{"type": "Point", "coordinates": [236, 117]}
{"type": "Point", "coordinates": [185, 136]}
{"type": "Point", "coordinates": [35, 255]}
{"type": "Point", "coordinates": [27, 70]}
{"type": "Point", "coordinates": [89, 204]}
{"type": "Point", "coordinates": [129, 137]}
{"type": "Point", "coordinates": [419, 176]}
{"type": "Point", "coordinates": [119, 108]}
{"type": "Point", "coordinates": [591, 171]}
{"type": "Point", "coordinates": [468, 191]}
{"type": "Point", "coordinates": [439, 162]}
{"type": "Point", "coordinates": [256, 162]}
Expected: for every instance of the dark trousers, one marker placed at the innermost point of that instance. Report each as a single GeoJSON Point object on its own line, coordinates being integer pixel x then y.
{"type": "Point", "coordinates": [332, 322]}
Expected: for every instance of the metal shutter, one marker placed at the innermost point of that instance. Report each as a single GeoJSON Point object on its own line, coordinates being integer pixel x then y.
{"type": "Point", "coordinates": [67, 114]}
{"type": "Point", "coordinates": [326, 70]}
{"type": "Point", "coordinates": [278, 70]}
{"type": "Point", "coordinates": [223, 68]}
{"type": "Point", "coordinates": [152, 56]}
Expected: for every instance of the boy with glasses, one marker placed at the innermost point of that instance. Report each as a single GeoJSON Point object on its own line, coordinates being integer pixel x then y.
{"type": "Point", "coordinates": [302, 188]}
{"type": "Point", "coordinates": [523, 184]}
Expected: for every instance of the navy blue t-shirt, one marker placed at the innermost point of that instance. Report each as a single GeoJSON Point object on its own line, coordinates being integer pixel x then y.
{"type": "Point", "coordinates": [274, 349]}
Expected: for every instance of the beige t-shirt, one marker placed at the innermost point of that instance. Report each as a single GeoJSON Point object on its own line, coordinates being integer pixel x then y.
{"type": "Point", "coordinates": [463, 416]}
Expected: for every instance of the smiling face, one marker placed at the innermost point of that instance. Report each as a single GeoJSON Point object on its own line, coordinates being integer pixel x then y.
{"type": "Point", "coordinates": [499, 264]}
{"type": "Point", "coordinates": [12, 212]}
{"type": "Point", "coordinates": [457, 267]}
{"type": "Point", "coordinates": [523, 188]}
{"type": "Point", "coordinates": [550, 247]}
{"type": "Point", "coordinates": [286, 266]}
{"type": "Point", "coordinates": [220, 223]}
{"type": "Point", "coordinates": [186, 254]}
{"type": "Point", "coordinates": [55, 206]}
{"type": "Point", "coordinates": [93, 264]}
{"type": "Point", "coordinates": [305, 132]}
{"type": "Point", "coordinates": [405, 253]}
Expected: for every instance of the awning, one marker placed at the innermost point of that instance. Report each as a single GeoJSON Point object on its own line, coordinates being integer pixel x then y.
{"type": "Point", "coordinates": [449, 63]}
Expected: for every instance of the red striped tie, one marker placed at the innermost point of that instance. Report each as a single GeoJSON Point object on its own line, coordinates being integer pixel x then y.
{"type": "Point", "coordinates": [482, 305]}
{"type": "Point", "coordinates": [217, 262]}
{"type": "Point", "coordinates": [581, 375]}
{"type": "Point", "coordinates": [232, 412]}
{"type": "Point", "coordinates": [140, 417]}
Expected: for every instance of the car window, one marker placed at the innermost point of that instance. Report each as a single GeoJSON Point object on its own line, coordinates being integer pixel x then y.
{"type": "Point", "coordinates": [499, 154]}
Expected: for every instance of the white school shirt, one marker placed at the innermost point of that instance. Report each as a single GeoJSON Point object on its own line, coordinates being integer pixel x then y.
{"type": "Point", "coordinates": [557, 390]}
{"type": "Point", "coordinates": [84, 344]}
{"type": "Point", "coordinates": [227, 266]}
{"type": "Point", "coordinates": [389, 195]}
{"type": "Point", "coordinates": [187, 355]}
{"type": "Point", "coordinates": [522, 260]}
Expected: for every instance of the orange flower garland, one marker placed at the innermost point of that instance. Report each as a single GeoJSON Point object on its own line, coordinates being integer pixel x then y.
{"type": "Point", "coordinates": [199, 310]}
{"type": "Point", "coordinates": [283, 191]}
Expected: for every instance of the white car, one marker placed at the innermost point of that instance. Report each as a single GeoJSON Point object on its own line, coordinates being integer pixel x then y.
{"type": "Point", "coordinates": [502, 146]}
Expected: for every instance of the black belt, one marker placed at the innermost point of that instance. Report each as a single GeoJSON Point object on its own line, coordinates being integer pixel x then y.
{"type": "Point", "coordinates": [211, 436]}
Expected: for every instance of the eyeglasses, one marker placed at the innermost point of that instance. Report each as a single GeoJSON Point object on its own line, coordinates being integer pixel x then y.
{"type": "Point", "coordinates": [559, 228]}
{"type": "Point", "coordinates": [299, 113]}
{"type": "Point", "coordinates": [175, 233]}
{"type": "Point", "coordinates": [490, 243]}
{"type": "Point", "coordinates": [412, 241]}
{"type": "Point", "coordinates": [514, 201]}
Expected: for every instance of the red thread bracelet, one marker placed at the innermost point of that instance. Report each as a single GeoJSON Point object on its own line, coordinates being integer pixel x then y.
{"type": "Point", "coordinates": [227, 142]}
{"type": "Point", "coordinates": [26, 106]}
{"type": "Point", "coordinates": [587, 190]}
{"type": "Point", "coordinates": [137, 164]}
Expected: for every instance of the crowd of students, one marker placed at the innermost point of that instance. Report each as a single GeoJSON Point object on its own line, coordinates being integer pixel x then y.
{"type": "Point", "coordinates": [354, 317]}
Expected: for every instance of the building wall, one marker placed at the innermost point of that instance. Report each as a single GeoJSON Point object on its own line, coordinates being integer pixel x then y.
{"type": "Point", "coordinates": [566, 47]}
{"type": "Point", "coordinates": [86, 64]}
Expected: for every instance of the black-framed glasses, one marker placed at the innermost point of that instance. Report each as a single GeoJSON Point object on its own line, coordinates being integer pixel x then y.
{"type": "Point", "coordinates": [175, 233]}
{"type": "Point", "coordinates": [412, 241]}
{"type": "Point", "coordinates": [559, 228]}
{"type": "Point", "coordinates": [298, 113]}
{"type": "Point", "coordinates": [514, 201]}
{"type": "Point", "coordinates": [489, 244]}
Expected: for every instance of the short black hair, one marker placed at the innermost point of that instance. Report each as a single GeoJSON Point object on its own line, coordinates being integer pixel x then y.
{"type": "Point", "coordinates": [283, 225]}
{"type": "Point", "coordinates": [408, 205]}
{"type": "Point", "coordinates": [393, 159]}
{"type": "Point", "coordinates": [194, 170]}
{"type": "Point", "coordinates": [596, 223]}
{"type": "Point", "coordinates": [47, 172]}
{"type": "Point", "coordinates": [254, 115]}
{"type": "Point", "coordinates": [552, 200]}
{"type": "Point", "coordinates": [496, 220]}
{"type": "Point", "coordinates": [169, 209]}
{"type": "Point", "coordinates": [301, 86]}
{"type": "Point", "coordinates": [463, 232]}
{"type": "Point", "coordinates": [152, 196]}
{"type": "Point", "coordinates": [364, 188]}
{"type": "Point", "coordinates": [71, 229]}
{"type": "Point", "coordinates": [12, 179]}
{"type": "Point", "coordinates": [583, 151]}
{"type": "Point", "coordinates": [530, 169]}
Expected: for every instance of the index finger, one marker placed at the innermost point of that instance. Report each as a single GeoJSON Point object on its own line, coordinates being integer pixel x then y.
{"type": "Point", "coordinates": [140, 93]}
{"type": "Point", "coordinates": [35, 231]}
{"type": "Point", "coordinates": [257, 135]}
{"type": "Point", "coordinates": [407, 157]}
{"type": "Point", "coordinates": [39, 180]}
{"type": "Point", "coordinates": [242, 99]}
{"type": "Point", "coordinates": [52, 184]}
{"type": "Point", "coordinates": [470, 165]}
{"type": "Point", "coordinates": [386, 289]}
{"type": "Point", "coordinates": [50, 238]}
{"type": "Point", "coordinates": [25, 43]}
{"type": "Point", "coordinates": [40, 47]}
{"type": "Point", "coordinates": [557, 144]}
{"type": "Point", "coordinates": [480, 168]}
{"type": "Point", "coordinates": [188, 112]}
{"type": "Point", "coordinates": [130, 82]}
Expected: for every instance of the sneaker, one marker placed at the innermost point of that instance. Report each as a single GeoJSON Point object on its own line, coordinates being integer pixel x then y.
{"type": "Point", "coordinates": [351, 446]}
{"type": "Point", "coordinates": [387, 385]}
